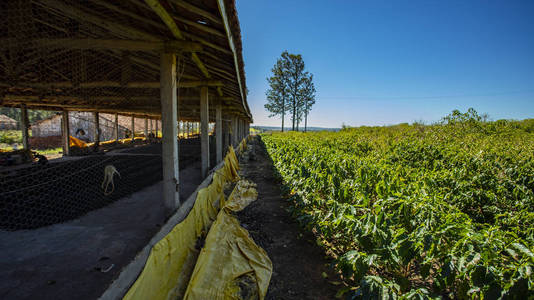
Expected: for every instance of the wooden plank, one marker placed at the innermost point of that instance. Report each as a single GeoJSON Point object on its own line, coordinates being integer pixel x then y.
{"type": "Point", "coordinates": [202, 27]}
{"type": "Point", "coordinates": [24, 125]}
{"type": "Point", "coordinates": [116, 125]}
{"type": "Point", "coordinates": [197, 10]}
{"type": "Point", "coordinates": [205, 42]}
{"type": "Point", "coordinates": [169, 21]}
{"type": "Point", "coordinates": [112, 44]}
{"type": "Point", "coordinates": [109, 84]}
{"type": "Point", "coordinates": [200, 65]}
{"type": "Point", "coordinates": [146, 128]}
{"type": "Point", "coordinates": [97, 128]}
{"type": "Point", "coordinates": [133, 128]}
{"type": "Point", "coordinates": [222, 10]}
{"type": "Point", "coordinates": [72, 11]}
{"type": "Point", "coordinates": [65, 133]}
{"type": "Point", "coordinates": [218, 132]}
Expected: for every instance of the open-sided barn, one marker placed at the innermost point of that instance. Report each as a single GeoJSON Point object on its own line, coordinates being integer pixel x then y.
{"type": "Point", "coordinates": [174, 61]}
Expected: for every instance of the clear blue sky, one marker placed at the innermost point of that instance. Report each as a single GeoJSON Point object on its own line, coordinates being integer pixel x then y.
{"type": "Point", "coordinates": [386, 62]}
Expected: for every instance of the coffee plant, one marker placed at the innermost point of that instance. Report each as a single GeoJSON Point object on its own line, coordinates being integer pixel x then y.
{"type": "Point", "coordinates": [418, 212]}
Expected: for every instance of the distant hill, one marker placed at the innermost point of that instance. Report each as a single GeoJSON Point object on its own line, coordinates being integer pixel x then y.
{"type": "Point", "coordinates": [274, 128]}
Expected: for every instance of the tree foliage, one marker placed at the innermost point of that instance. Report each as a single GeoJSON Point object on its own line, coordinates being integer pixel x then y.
{"type": "Point", "coordinates": [291, 89]}
{"type": "Point", "coordinates": [33, 114]}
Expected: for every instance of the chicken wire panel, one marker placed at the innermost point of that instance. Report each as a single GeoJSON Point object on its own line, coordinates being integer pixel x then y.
{"type": "Point", "coordinates": [42, 195]}
{"type": "Point", "coordinates": [48, 60]}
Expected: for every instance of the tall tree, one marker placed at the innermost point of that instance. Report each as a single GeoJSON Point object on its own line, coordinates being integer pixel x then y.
{"type": "Point", "coordinates": [308, 94]}
{"type": "Point", "coordinates": [295, 70]}
{"type": "Point", "coordinates": [291, 88]}
{"type": "Point", "coordinates": [277, 92]}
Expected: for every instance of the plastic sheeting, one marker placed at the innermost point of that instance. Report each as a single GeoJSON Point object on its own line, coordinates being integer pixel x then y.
{"type": "Point", "coordinates": [231, 265]}
{"type": "Point", "coordinates": [242, 146]}
{"type": "Point", "coordinates": [74, 142]}
{"type": "Point", "coordinates": [172, 260]}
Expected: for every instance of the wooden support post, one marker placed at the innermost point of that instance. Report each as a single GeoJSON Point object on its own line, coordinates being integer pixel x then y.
{"type": "Point", "coordinates": [241, 129]}
{"type": "Point", "coordinates": [97, 130]}
{"type": "Point", "coordinates": [24, 124]}
{"type": "Point", "coordinates": [169, 116]}
{"type": "Point", "coordinates": [204, 133]}
{"type": "Point", "coordinates": [116, 127]}
{"type": "Point", "coordinates": [133, 128]}
{"type": "Point", "coordinates": [232, 130]}
{"type": "Point", "coordinates": [236, 125]}
{"type": "Point", "coordinates": [226, 132]}
{"type": "Point", "coordinates": [157, 134]}
{"type": "Point", "coordinates": [65, 133]}
{"type": "Point", "coordinates": [188, 128]}
{"type": "Point", "coordinates": [218, 132]}
{"type": "Point", "coordinates": [146, 129]}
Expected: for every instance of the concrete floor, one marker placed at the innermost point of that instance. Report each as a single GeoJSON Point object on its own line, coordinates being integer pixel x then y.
{"type": "Point", "coordinates": [69, 260]}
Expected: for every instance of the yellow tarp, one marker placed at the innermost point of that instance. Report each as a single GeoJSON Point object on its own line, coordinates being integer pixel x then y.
{"type": "Point", "coordinates": [231, 265]}
{"type": "Point", "coordinates": [171, 261]}
{"type": "Point", "coordinates": [242, 146]}
{"type": "Point", "coordinates": [74, 142]}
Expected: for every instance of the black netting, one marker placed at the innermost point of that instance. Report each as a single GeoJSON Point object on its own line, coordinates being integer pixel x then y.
{"type": "Point", "coordinates": [41, 195]}
{"type": "Point", "coordinates": [37, 195]}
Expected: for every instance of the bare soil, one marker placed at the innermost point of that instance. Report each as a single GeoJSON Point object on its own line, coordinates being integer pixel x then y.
{"type": "Point", "coordinates": [300, 268]}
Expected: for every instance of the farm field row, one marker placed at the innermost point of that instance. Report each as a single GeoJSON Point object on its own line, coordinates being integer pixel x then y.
{"type": "Point", "coordinates": [413, 211]}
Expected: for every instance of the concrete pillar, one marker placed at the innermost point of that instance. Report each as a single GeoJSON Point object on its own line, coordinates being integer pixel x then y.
{"type": "Point", "coordinates": [218, 132]}
{"type": "Point", "coordinates": [116, 127]}
{"type": "Point", "coordinates": [133, 128]}
{"type": "Point", "coordinates": [65, 133]}
{"type": "Point", "coordinates": [146, 128]}
{"type": "Point", "coordinates": [24, 124]}
{"type": "Point", "coordinates": [169, 117]}
{"type": "Point", "coordinates": [204, 131]}
{"type": "Point", "coordinates": [96, 118]}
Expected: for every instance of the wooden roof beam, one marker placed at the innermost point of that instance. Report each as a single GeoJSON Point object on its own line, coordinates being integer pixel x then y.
{"type": "Point", "coordinates": [116, 44]}
{"type": "Point", "coordinates": [72, 11]}
{"type": "Point", "coordinates": [169, 21]}
{"type": "Point", "coordinates": [222, 10]}
{"type": "Point", "coordinates": [109, 84]}
{"type": "Point", "coordinates": [199, 11]}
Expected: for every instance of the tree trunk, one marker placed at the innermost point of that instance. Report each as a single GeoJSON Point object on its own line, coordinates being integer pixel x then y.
{"type": "Point", "coordinates": [294, 112]}
{"type": "Point", "coordinates": [283, 111]}
{"type": "Point", "coordinates": [306, 116]}
{"type": "Point", "coordinates": [298, 118]}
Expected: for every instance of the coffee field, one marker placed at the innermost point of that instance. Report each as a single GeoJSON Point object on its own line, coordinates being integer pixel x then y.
{"type": "Point", "coordinates": [418, 211]}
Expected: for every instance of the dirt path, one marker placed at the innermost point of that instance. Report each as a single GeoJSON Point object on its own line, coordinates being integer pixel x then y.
{"type": "Point", "coordinates": [299, 265]}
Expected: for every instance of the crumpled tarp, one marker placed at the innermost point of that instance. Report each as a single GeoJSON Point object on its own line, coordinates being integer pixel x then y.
{"type": "Point", "coordinates": [242, 146]}
{"type": "Point", "coordinates": [231, 265]}
{"type": "Point", "coordinates": [75, 142]}
{"type": "Point", "coordinates": [171, 262]}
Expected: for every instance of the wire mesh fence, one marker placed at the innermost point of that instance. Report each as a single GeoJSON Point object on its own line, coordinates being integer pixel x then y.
{"type": "Point", "coordinates": [41, 195]}
{"type": "Point", "coordinates": [76, 56]}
